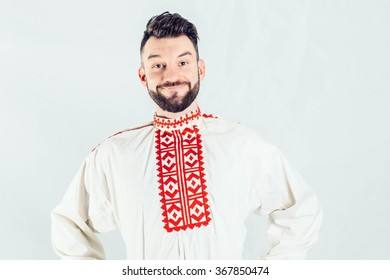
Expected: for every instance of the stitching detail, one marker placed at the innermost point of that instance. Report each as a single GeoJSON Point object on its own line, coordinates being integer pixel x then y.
{"type": "Point", "coordinates": [209, 116]}
{"type": "Point", "coordinates": [182, 180]}
{"type": "Point", "coordinates": [178, 122]}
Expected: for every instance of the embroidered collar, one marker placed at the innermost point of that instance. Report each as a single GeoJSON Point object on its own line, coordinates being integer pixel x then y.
{"type": "Point", "coordinates": [186, 120]}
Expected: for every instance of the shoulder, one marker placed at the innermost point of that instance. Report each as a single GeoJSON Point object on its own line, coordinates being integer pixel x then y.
{"type": "Point", "coordinates": [125, 135]}
{"type": "Point", "coordinates": [236, 129]}
{"type": "Point", "coordinates": [241, 137]}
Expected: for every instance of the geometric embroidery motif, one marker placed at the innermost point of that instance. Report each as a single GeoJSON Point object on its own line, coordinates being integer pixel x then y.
{"type": "Point", "coordinates": [181, 175]}
{"type": "Point", "coordinates": [178, 122]}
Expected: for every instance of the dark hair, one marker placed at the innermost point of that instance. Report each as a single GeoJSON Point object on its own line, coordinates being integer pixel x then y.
{"type": "Point", "coordinates": [169, 25]}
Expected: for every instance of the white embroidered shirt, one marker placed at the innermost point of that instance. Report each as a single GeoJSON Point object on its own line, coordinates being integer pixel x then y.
{"type": "Point", "coordinates": [182, 189]}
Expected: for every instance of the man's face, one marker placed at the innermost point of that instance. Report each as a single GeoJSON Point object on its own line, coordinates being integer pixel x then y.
{"type": "Point", "coordinates": [171, 73]}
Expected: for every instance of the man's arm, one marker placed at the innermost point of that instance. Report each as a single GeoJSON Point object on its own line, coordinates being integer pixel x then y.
{"type": "Point", "coordinates": [294, 212]}
{"type": "Point", "coordinates": [84, 210]}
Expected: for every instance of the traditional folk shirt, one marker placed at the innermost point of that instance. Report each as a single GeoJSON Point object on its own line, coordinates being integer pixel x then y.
{"type": "Point", "coordinates": [183, 189]}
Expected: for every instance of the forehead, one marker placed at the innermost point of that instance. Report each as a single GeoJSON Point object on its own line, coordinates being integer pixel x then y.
{"type": "Point", "coordinates": [165, 47]}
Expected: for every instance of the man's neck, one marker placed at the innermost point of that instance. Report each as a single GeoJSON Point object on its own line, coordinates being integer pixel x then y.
{"type": "Point", "coordinates": [164, 114]}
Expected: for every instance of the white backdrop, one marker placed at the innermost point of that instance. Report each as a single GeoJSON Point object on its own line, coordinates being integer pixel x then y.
{"type": "Point", "coordinates": [311, 76]}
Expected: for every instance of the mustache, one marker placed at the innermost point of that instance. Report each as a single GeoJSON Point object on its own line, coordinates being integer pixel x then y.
{"type": "Point", "coordinates": [172, 84]}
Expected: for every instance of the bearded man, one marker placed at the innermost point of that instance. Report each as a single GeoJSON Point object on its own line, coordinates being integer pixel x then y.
{"type": "Point", "coordinates": [182, 186]}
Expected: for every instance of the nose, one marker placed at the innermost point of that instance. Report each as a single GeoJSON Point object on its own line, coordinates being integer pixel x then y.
{"type": "Point", "coordinates": [171, 74]}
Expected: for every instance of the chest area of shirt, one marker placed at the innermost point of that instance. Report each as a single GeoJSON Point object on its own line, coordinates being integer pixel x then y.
{"type": "Point", "coordinates": [182, 176]}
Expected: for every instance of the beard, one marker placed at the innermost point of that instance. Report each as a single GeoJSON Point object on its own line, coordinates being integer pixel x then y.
{"type": "Point", "coordinates": [174, 103]}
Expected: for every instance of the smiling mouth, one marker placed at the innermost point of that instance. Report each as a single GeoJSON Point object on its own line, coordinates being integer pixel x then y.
{"type": "Point", "coordinates": [173, 87]}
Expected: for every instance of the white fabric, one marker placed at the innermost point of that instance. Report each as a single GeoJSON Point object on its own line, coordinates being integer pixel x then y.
{"type": "Point", "coordinates": [117, 187]}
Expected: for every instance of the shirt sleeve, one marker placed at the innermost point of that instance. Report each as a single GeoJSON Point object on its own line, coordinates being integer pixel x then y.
{"type": "Point", "coordinates": [293, 210]}
{"type": "Point", "coordinates": [84, 211]}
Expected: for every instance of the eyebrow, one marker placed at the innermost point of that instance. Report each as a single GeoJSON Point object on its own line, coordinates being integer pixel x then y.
{"type": "Point", "coordinates": [153, 56]}
{"type": "Point", "coordinates": [158, 56]}
{"type": "Point", "coordinates": [185, 53]}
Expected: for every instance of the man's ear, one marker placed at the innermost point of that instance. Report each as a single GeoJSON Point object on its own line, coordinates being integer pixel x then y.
{"type": "Point", "coordinates": [201, 69]}
{"type": "Point", "coordinates": [142, 76]}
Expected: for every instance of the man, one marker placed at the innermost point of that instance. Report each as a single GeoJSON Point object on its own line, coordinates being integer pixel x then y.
{"type": "Point", "coordinates": [182, 186]}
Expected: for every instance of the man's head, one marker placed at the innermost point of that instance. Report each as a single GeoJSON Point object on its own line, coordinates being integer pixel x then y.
{"type": "Point", "coordinates": [171, 69]}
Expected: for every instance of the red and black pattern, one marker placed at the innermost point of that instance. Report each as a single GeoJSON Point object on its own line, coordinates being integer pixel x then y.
{"type": "Point", "coordinates": [181, 178]}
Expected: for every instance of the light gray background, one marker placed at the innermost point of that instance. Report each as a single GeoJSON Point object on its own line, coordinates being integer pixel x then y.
{"type": "Point", "coordinates": [311, 76]}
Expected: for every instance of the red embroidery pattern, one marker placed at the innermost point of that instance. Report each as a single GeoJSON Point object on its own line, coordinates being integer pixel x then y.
{"type": "Point", "coordinates": [176, 123]}
{"type": "Point", "coordinates": [181, 178]}
{"type": "Point", "coordinates": [209, 116]}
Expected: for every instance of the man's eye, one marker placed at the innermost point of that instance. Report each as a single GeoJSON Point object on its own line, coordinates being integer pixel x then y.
{"type": "Point", "coordinates": [183, 63]}
{"type": "Point", "coordinates": [158, 66]}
